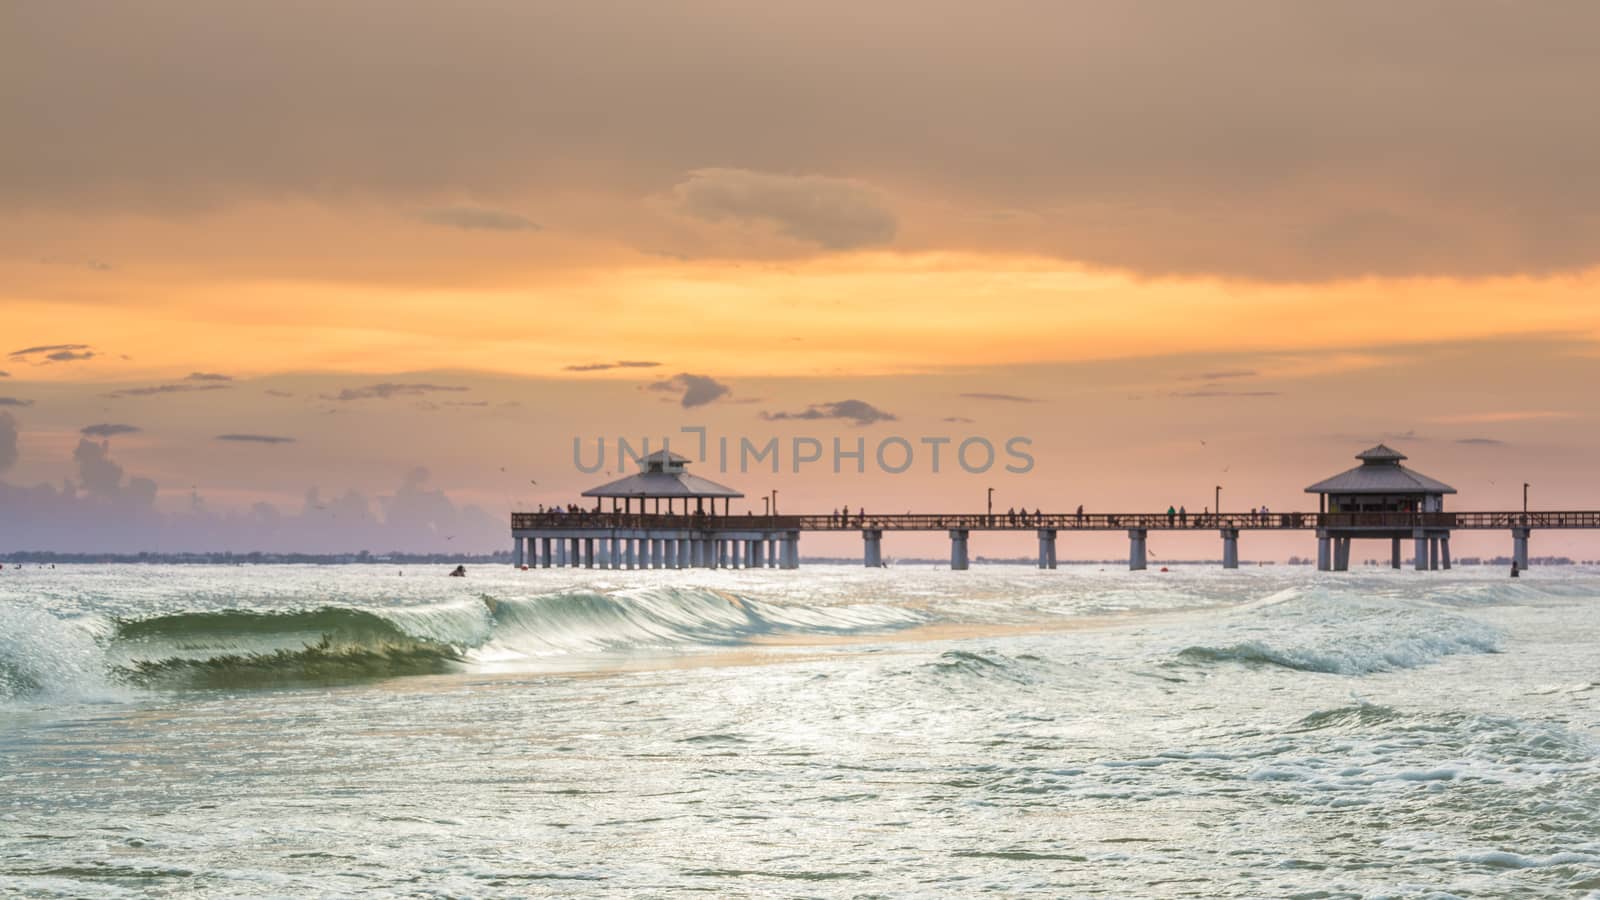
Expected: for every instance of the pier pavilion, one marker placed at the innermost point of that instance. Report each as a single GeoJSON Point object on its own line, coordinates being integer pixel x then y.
{"type": "Point", "coordinates": [1371, 501]}
{"type": "Point", "coordinates": [637, 533]}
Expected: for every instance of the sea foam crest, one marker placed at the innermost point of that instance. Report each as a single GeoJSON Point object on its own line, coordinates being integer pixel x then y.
{"type": "Point", "coordinates": [1343, 634]}
{"type": "Point", "coordinates": [43, 657]}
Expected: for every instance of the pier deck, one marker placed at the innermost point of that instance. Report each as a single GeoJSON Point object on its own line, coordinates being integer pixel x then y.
{"type": "Point", "coordinates": [1289, 521]}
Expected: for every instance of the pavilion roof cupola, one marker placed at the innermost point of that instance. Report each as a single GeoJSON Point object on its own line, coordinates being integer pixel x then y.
{"type": "Point", "coordinates": [663, 476]}
{"type": "Point", "coordinates": [1381, 484]}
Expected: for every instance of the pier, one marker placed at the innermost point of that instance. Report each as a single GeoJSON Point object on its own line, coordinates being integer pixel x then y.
{"type": "Point", "coordinates": [1367, 503]}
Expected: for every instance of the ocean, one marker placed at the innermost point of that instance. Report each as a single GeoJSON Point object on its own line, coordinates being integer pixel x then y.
{"type": "Point", "coordinates": [283, 731]}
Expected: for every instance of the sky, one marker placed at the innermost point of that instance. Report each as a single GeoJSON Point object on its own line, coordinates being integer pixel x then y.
{"type": "Point", "coordinates": [333, 277]}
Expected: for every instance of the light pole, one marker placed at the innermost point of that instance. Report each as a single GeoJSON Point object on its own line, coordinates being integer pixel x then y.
{"type": "Point", "coordinates": [1217, 506]}
{"type": "Point", "coordinates": [1524, 498]}
{"type": "Point", "coordinates": [991, 505]}
{"type": "Point", "coordinates": [774, 501]}
{"type": "Point", "coordinates": [766, 505]}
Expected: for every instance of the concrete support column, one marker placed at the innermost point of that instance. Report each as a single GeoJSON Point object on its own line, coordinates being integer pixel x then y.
{"type": "Point", "coordinates": [1394, 553]}
{"type": "Point", "coordinates": [1341, 554]}
{"type": "Point", "coordinates": [588, 553]}
{"type": "Point", "coordinates": [516, 553]}
{"type": "Point", "coordinates": [1230, 548]}
{"type": "Point", "coordinates": [722, 553]}
{"type": "Point", "coordinates": [958, 549]}
{"type": "Point", "coordinates": [1421, 551]}
{"type": "Point", "coordinates": [683, 553]}
{"type": "Point", "coordinates": [658, 553]}
{"type": "Point", "coordinates": [1433, 554]}
{"type": "Point", "coordinates": [1138, 552]}
{"type": "Point", "coordinates": [791, 548]}
{"type": "Point", "coordinates": [544, 555]}
{"type": "Point", "coordinates": [1444, 551]}
{"type": "Point", "coordinates": [757, 557]}
{"type": "Point", "coordinates": [1519, 546]}
{"type": "Point", "coordinates": [1324, 552]}
{"type": "Point", "coordinates": [1047, 548]}
{"type": "Point", "coordinates": [872, 540]}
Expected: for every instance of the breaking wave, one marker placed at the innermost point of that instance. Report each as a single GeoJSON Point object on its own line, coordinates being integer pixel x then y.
{"type": "Point", "coordinates": [1344, 634]}
{"type": "Point", "coordinates": [42, 655]}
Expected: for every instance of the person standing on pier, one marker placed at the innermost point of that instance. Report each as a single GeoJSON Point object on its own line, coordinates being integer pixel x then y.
{"type": "Point", "coordinates": [1183, 516]}
{"type": "Point", "coordinates": [1171, 514]}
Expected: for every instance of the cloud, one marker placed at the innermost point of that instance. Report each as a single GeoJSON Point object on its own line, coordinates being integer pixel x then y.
{"type": "Point", "coordinates": [14, 401]}
{"type": "Point", "coordinates": [833, 213]}
{"type": "Point", "coordinates": [106, 430]}
{"type": "Point", "coordinates": [961, 420]}
{"type": "Point", "coordinates": [1006, 398]}
{"type": "Point", "coordinates": [272, 393]}
{"type": "Point", "coordinates": [1481, 442]}
{"type": "Point", "coordinates": [185, 388]}
{"type": "Point", "coordinates": [8, 441]}
{"type": "Point", "coordinates": [1221, 375]}
{"type": "Point", "coordinates": [473, 218]}
{"type": "Point", "coordinates": [255, 438]}
{"type": "Point", "coordinates": [698, 390]}
{"type": "Point", "coordinates": [44, 354]}
{"type": "Point", "coordinates": [4, 374]}
{"type": "Point", "coordinates": [47, 348]}
{"type": "Point", "coordinates": [1209, 392]}
{"type": "Point", "coordinates": [207, 376]}
{"type": "Point", "coordinates": [620, 364]}
{"type": "Point", "coordinates": [1419, 134]}
{"type": "Point", "coordinates": [859, 412]}
{"type": "Point", "coordinates": [389, 389]}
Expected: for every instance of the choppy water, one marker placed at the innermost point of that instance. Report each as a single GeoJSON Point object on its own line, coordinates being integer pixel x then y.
{"type": "Point", "coordinates": [281, 731]}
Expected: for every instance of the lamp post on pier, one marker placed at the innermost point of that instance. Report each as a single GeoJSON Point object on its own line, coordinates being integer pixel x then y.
{"type": "Point", "coordinates": [1217, 506]}
{"type": "Point", "coordinates": [1524, 498]}
{"type": "Point", "coordinates": [990, 518]}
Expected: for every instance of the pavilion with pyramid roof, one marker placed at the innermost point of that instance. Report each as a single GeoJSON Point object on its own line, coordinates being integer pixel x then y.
{"type": "Point", "coordinates": [1360, 503]}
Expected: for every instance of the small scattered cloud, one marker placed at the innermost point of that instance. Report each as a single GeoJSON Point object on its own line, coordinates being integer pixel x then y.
{"type": "Point", "coordinates": [4, 374]}
{"type": "Point", "coordinates": [833, 213]}
{"type": "Point", "coordinates": [697, 390]}
{"type": "Point", "coordinates": [620, 364]}
{"type": "Point", "coordinates": [107, 429]}
{"type": "Point", "coordinates": [45, 354]}
{"type": "Point", "coordinates": [1221, 375]}
{"type": "Point", "coordinates": [959, 420]}
{"type": "Point", "coordinates": [1481, 442]}
{"type": "Point", "coordinates": [183, 388]}
{"type": "Point", "coordinates": [859, 412]}
{"type": "Point", "coordinates": [272, 393]}
{"type": "Point", "coordinates": [1003, 398]}
{"type": "Point", "coordinates": [1209, 392]}
{"type": "Point", "coordinates": [477, 218]}
{"type": "Point", "coordinates": [14, 401]}
{"type": "Point", "coordinates": [207, 376]}
{"type": "Point", "coordinates": [46, 348]}
{"type": "Point", "coordinates": [255, 438]}
{"type": "Point", "coordinates": [387, 389]}
{"type": "Point", "coordinates": [1483, 418]}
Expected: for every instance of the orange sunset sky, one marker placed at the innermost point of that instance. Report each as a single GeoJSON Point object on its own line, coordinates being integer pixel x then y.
{"type": "Point", "coordinates": [398, 254]}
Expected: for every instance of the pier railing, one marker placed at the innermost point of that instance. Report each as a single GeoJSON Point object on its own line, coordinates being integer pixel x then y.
{"type": "Point", "coordinates": [1071, 521]}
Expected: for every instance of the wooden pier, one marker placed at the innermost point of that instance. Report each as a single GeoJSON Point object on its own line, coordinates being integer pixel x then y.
{"type": "Point", "coordinates": [1377, 500]}
{"type": "Point", "coordinates": [634, 540]}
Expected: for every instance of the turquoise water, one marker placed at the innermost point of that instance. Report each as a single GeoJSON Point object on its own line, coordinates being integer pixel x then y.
{"type": "Point", "coordinates": [289, 731]}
